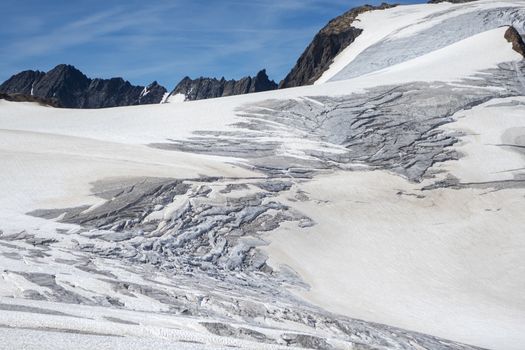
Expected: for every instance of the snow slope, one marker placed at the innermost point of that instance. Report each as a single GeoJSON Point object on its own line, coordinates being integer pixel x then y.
{"type": "Point", "coordinates": [390, 193]}
{"type": "Point", "coordinates": [407, 32]}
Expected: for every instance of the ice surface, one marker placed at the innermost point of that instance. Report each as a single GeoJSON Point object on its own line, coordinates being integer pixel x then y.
{"type": "Point", "coordinates": [429, 30]}
{"type": "Point", "coordinates": [280, 219]}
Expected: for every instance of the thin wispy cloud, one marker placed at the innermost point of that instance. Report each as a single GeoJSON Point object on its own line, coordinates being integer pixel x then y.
{"type": "Point", "coordinates": [161, 40]}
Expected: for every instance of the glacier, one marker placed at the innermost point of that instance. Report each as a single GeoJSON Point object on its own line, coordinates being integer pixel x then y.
{"type": "Point", "coordinates": [380, 208]}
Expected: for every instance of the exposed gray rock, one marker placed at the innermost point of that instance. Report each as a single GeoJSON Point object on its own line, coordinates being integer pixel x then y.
{"type": "Point", "coordinates": [328, 43]}
{"type": "Point", "coordinates": [66, 86]}
{"type": "Point", "coordinates": [204, 88]}
{"type": "Point", "coordinates": [152, 94]}
{"type": "Point", "coordinates": [18, 97]}
{"type": "Point", "coordinates": [22, 83]}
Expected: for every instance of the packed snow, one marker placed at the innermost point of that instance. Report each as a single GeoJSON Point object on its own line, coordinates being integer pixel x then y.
{"type": "Point", "coordinates": [407, 32]}
{"type": "Point", "coordinates": [315, 217]}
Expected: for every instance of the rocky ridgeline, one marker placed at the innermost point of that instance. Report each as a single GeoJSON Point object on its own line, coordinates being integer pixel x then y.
{"type": "Point", "coordinates": [328, 43]}
{"type": "Point", "coordinates": [203, 88]}
{"type": "Point", "coordinates": [68, 87]}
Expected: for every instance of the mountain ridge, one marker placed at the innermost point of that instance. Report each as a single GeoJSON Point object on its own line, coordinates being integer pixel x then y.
{"type": "Point", "coordinates": [70, 88]}
{"type": "Point", "coordinates": [66, 86]}
{"type": "Point", "coordinates": [204, 88]}
{"type": "Point", "coordinates": [333, 38]}
{"type": "Point", "coordinates": [379, 208]}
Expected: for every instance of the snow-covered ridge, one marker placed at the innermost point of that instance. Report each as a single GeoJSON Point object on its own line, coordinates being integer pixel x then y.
{"type": "Point", "coordinates": [403, 33]}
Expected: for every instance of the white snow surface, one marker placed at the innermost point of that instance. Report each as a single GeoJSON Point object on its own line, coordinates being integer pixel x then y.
{"type": "Point", "coordinates": [177, 98]}
{"type": "Point", "coordinates": [165, 97]}
{"type": "Point", "coordinates": [449, 264]}
{"type": "Point", "coordinates": [104, 328]}
{"type": "Point", "coordinates": [409, 25]}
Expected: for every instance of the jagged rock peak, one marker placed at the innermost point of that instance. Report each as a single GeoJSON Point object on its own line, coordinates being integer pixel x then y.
{"type": "Point", "coordinates": [343, 22]}
{"type": "Point", "coordinates": [262, 82]}
{"type": "Point", "coordinates": [69, 87]}
{"type": "Point", "coordinates": [514, 37]}
{"type": "Point", "coordinates": [337, 35]}
{"type": "Point", "coordinates": [22, 82]}
{"type": "Point", "coordinates": [204, 88]}
{"type": "Point", "coordinates": [153, 93]}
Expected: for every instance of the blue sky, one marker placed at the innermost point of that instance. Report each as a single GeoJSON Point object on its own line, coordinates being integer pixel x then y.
{"type": "Point", "coordinates": [162, 40]}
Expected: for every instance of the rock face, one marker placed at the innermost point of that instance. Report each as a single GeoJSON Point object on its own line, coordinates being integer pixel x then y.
{"type": "Point", "coordinates": [515, 38]}
{"type": "Point", "coordinates": [203, 88]}
{"type": "Point", "coordinates": [71, 89]}
{"type": "Point", "coordinates": [328, 43]}
{"type": "Point", "coordinates": [28, 98]}
{"type": "Point", "coordinates": [21, 83]}
{"type": "Point", "coordinates": [153, 93]}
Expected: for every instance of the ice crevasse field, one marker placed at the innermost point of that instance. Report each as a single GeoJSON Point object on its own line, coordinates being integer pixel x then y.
{"type": "Point", "coordinates": [380, 208]}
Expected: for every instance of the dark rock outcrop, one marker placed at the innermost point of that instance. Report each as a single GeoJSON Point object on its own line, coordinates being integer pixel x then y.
{"type": "Point", "coordinates": [203, 88]}
{"type": "Point", "coordinates": [21, 83]}
{"type": "Point", "coordinates": [153, 93]}
{"type": "Point", "coordinates": [69, 88]}
{"type": "Point", "coordinates": [328, 43]}
{"type": "Point", "coordinates": [515, 38]}
{"type": "Point", "coordinates": [28, 98]}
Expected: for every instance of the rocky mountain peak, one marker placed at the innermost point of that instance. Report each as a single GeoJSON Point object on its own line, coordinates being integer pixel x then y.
{"type": "Point", "coordinates": [204, 88]}
{"type": "Point", "coordinates": [64, 82]}
{"type": "Point", "coordinates": [153, 84]}
{"type": "Point", "coordinates": [69, 87]}
{"type": "Point", "coordinates": [262, 74]}
{"type": "Point", "coordinates": [327, 43]}
{"type": "Point", "coordinates": [67, 69]}
{"type": "Point", "coordinates": [152, 93]}
{"type": "Point", "coordinates": [262, 82]}
{"type": "Point", "coordinates": [22, 82]}
{"type": "Point", "coordinates": [342, 23]}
